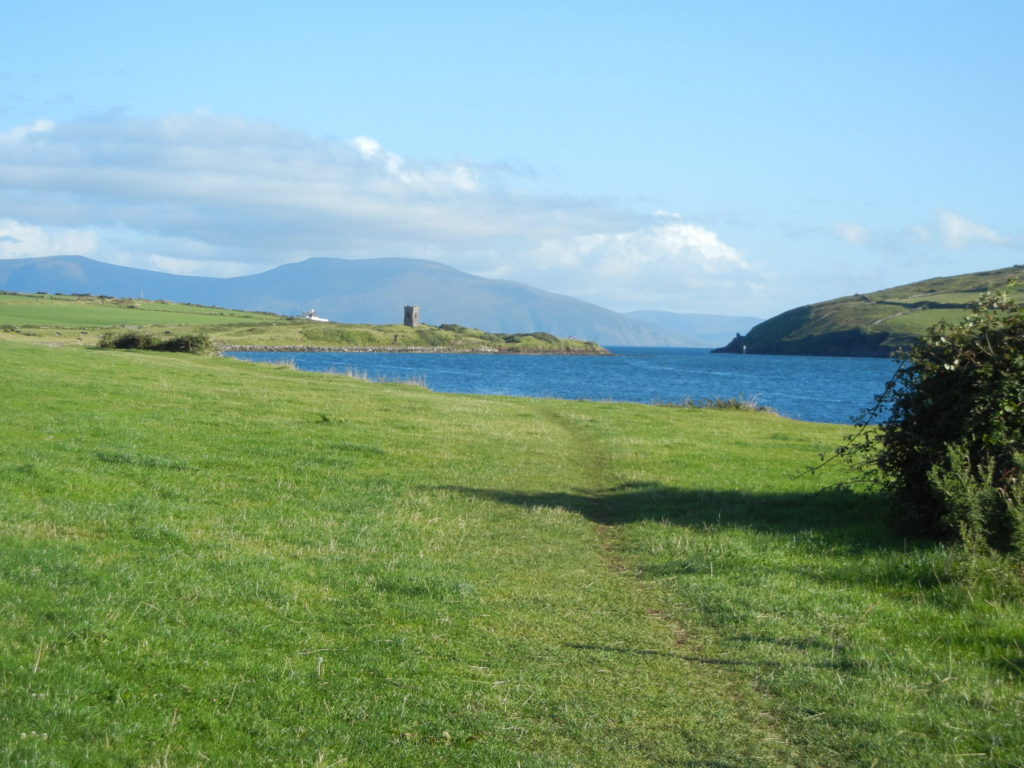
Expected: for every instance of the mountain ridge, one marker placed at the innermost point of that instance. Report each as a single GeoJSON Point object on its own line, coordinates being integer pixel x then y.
{"type": "Point", "coordinates": [352, 291]}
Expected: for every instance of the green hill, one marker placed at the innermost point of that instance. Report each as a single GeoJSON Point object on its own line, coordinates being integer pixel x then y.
{"type": "Point", "coordinates": [873, 324]}
{"type": "Point", "coordinates": [82, 319]}
{"type": "Point", "coordinates": [351, 291]}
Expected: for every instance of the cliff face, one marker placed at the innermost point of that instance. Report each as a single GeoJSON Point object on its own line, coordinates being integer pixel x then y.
{"type": "Point", "coordinates": [876, 324]}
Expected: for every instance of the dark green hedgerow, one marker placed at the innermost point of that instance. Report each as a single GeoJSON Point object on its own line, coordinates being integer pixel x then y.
{"type": "Point", "coordinates": [951, 430]}
{"type": "Point", "coordinates": [196, 343]}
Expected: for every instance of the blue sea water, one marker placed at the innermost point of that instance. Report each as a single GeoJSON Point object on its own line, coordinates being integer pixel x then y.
{"type": "Point", "coordinates": [828, 389]}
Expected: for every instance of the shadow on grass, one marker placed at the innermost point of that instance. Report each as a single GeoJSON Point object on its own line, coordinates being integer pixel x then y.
{"type": "Point", "coordinates": [839, 522]}
{"type": "Point", "coordinates": [844, 519]}
{"type": "Point", "coordinates": [840, 665]}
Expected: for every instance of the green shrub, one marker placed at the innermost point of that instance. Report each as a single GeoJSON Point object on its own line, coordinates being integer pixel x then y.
{"type": "Point", "coordinates": [951, 428]}
{"type": "Point", "coordinates": [196, 343]}
{"type": "Point", "coordinates": [127, 340]}
{"type": "Point", "coordinates": [986, 515]}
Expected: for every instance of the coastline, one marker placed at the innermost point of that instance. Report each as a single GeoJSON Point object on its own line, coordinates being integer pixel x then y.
{"type": "Point", "coordinates": [415, 350]}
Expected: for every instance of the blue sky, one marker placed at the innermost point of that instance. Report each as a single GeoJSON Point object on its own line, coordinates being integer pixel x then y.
{"type": "Point", "coordinates": [735, 158]}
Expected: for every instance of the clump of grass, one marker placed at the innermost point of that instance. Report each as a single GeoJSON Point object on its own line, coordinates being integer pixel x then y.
{"type": "Point", "coordinates": [738, 403]}
{"type": "Point", "coordinates": [412, 381]}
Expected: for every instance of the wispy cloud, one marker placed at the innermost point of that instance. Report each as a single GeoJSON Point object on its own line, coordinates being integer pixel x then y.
{"type": "Point", "coordinates": [208, 194]}
{"type": "Point", "coordinates": [856, 234]}
{"type": "Point", "coordinates": [18, 240]}
{"type": "Point", "coordinates": [19, 132]}
{"type": "Point", "coordinates": [947, 230]}
{"type": "Point", "coordinates": [957, 231]}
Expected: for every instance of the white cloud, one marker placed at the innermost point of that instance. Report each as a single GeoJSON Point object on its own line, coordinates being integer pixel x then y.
{"type": "Point", "coordinates": [947, 230]}
{"type": "Point", "coordinates": [367, 147]}
{"type": "Point", "coordinates": [196, 267]}
{"type": "Point", "coordinates": [206, 194]}
{"type": "Point", "coordinates": [856, 234]}
{"type": "Point", "coordinates": [957, 232]}
{"type": "Point", "coordinates": [18, 240]}
{"type": "Point", "coordinates": [459, 177]}
{"type": "Point", "coordinates": [19, 132]}
{"type": "Point", "coordinates": [661, 264]}
{"type": "Point", "coordinates": [233, 183]}
{"type": "Point", "coordinates": [674, 245]}
{"type": "Point", "coordinates": [920, 234]}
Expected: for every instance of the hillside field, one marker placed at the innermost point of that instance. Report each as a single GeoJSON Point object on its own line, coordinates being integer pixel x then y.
{"type": "Point", "coordinates": [83, 319]}
{"type": "Point", "coordinates": [876, 324]}
{"type": "Point", "coordinates": [211, 562]}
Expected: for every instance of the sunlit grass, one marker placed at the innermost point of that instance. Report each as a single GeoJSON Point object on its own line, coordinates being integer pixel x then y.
{"type": "Point", "coordinates": [81, 320]}
{"type": "Point", "coordinates": [204, 561]}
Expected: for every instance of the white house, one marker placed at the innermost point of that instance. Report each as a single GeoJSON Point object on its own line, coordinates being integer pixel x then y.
{"type": "Point", "coordinates": [312, 315]}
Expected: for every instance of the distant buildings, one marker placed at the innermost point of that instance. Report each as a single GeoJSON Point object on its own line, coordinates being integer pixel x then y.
{"type": "Point", "coordinates": [311, 314]}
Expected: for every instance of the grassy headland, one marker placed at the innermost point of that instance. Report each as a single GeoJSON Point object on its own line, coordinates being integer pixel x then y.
{"type": "Point", "coordinates": [210, 562]}
{"type": "Point", "coordinates": [875, 324]}
{"type": "Point", "coordinates": [83, 319]}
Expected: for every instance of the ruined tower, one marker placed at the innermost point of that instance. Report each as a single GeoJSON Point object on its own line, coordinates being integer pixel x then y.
{"type": "Point", "coordinates": [412, 316]}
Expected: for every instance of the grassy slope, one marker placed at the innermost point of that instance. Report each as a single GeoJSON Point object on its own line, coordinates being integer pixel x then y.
{"type": "Point", "coordinates": [47, 311]}
{"type": "Point", "coordinates": [875, 323]}
{"type": "Point", "coordinates": [82, 319]}
{"type": "Point", "coordinates": [204, 561]}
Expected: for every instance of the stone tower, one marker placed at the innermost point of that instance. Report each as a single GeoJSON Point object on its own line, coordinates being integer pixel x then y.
{"type": "Point", "coordinates": [412, 316]}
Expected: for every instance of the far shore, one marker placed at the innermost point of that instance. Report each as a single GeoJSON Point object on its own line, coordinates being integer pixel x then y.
{"type": "Point", "coordinates": [417, 350]}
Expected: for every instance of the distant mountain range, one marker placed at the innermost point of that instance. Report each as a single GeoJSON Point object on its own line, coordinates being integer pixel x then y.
{"type": "Point", "coordinates": [361, 291]}
{"type": "Point", "coordinates": [874, 324]}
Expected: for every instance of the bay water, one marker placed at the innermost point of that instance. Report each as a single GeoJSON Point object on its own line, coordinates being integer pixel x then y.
{"type": "Point", "coordinates": [827, 389]}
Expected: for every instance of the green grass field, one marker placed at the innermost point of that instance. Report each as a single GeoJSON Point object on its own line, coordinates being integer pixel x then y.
{"type": "Point", "coordinates": [46, 310]}
{"type": "Point", "coordinates": [210, 562]}
{"type": "Point", "coordinates": [82, 319]}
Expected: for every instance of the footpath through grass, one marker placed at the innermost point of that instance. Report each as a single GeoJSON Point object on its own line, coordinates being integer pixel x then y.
{"type": "Point", "coordinates": [208, 562]}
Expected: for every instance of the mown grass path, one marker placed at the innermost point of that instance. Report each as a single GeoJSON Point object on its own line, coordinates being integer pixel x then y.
{"type": "Point", "coordinates": [603, 495]}
{"type": "Point", "coordinates": [207, 562]}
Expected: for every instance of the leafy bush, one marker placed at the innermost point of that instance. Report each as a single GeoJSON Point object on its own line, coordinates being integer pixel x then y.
{"type": "Point", "coordinates": [982, 511]}
{"type": "Point", "coordinates": [196, 343]}
{"type": "Point", "coordinates": [951, 426]}
{"type": "Point", "coordinates": [127, 340]}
